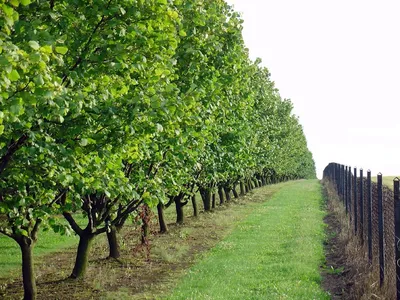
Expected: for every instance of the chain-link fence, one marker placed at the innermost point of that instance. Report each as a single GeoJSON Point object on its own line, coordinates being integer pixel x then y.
{"type": "Point", "coordinates": [374, 213]}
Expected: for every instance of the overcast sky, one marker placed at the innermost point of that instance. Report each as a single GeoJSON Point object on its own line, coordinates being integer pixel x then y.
{"type": "Point", "coordinates": [339, 63]}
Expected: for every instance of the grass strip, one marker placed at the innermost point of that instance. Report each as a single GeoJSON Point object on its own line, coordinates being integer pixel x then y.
{"type": "Point", "coordinates": [275, 253]}
{"type": "Point", "coordinates": [48, 242]}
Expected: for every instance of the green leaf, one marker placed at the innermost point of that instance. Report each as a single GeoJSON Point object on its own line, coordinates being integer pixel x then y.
{"type": "Point", "coordinates": [23, 232]}
{"type": "Point", "coordinates": [47, 49]}
{"type": "Point", "coordinates": [26, 2]}
{"type": "Point", "coordinates": [61, 50]}
{"type": "Point", "coordinates": [14, 3]}
{"type": "Point", "coordinates": [9, 11]}
{"type": "Point", "coordinates": [14, 75]}
{"type": "Point", "coordinates": [160, 128]}
{"type": "Point", "coordinates": [39, 80]}
{"type": "Point", "coordinates": [1, 129]}
{"type": "Point", "coordinates": [35, 45]}
{"type": "Point", "coordinates": [83, 142]}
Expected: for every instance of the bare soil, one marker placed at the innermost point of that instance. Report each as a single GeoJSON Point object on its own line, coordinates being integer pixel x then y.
{"type": "Point", "coordinates": [141, 273]}
{"type": "Point", "coordinates": [337, 273]}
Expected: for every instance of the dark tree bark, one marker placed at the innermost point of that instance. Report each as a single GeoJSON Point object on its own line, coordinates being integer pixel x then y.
{"type": "Point", "coordinates": [235, 194]}
{"type": "Point", "coordinates": [28, 275]}
{"type": "Point", "coordinates": [251, 186]}
{"type": "Point", "coordinates": [161, 218]}
{"type": "Point", "coordinates": [12, 148]}
{"type": "Point", "coordinates": [179, 210]}
{"type": "Point", "coordinates": [242, 189]}
{"type": "Point", "coordinates": [246, 187]}
{"type": "Point", "coordinates": [213, 200]}
{"type": "Point", "coordinates": [263, 180]}
{"type": "Point", "coordinates": [221, 196]}
{"type": "Point", "coordinates": [82, 255]}
{"type": "Point", "coordinates": [194, 204]}
{"type": "Point", "coordinates": [227, 194]}
{"type": "Point", "coordinates": [206, 197]}
{"type": "Point", "coordinates": [255, 181]}
{"type": "Point", "coordinates": [113, 242]}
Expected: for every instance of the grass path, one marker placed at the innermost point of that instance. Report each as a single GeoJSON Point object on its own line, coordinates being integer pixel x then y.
{"type": "Point", "coordinates": [275, 253]}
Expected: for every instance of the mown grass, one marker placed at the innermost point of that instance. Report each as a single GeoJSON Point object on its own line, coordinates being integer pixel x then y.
{"type": "Point", "coordinates": [133, 276]}
{"type": "Point", "coordinates": [48, 242]}
{"type": "Point", "coordinates": [275, 253]}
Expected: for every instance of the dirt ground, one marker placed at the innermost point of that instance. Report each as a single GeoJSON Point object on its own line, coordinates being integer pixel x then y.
{"type": "Point", "coordinates": [139, 274]}
{"type": "Point", "coordinates": [337, 273]}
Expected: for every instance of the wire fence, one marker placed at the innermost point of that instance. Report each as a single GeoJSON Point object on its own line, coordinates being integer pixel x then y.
{"type": "Point", "coordinates": [373, 210]}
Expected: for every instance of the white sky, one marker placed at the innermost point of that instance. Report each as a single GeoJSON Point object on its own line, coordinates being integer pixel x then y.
{"type": "Point", "coordinates": [339, 63]}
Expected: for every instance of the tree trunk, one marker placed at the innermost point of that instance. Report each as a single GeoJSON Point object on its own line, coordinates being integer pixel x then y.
{"type": "Point", "coordinates": [235, 194]}
{"type": "Point", "coordinates": [242, 190]}
{"type": "Point", "coordinates": [28, 274]}
{"type": "Point", "coordinates": [179, 210]}
{"type": "Point", "coordinates": [82, 255]}
{"type": "Point", "coordinates": [227, 194]}
{"type": "Point", "coordinates": [221, 196]}
{"type": "Point", "coordinates": [195, 209]}
{"type": "Point", "coordinates": [161, 219]}
{"type": "Point", "coordinates": [206, 197]}
{"type": "Point", "coordinates": [213, 200]}
{"type": "Point", "coordinates": [113, 242]}
{"type": "Point", "coordinates": [255, 183]}
{"type": "Point", "coordinates": [246, 187]}
{"type": "Point", "coordinates": [251, 187]}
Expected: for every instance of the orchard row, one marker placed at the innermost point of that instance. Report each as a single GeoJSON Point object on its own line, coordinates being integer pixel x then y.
{"type": "Point", "coordinates": [108, 106]}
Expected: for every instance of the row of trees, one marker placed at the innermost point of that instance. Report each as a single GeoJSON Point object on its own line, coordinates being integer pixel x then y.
{"type": "Point", "coordinates": [110, 105]}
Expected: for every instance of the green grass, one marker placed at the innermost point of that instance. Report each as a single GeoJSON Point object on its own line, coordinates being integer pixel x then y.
{"type": "Point", "coordinates": [386, 180]}
{"type": "Point", "coordinates": [48, 242]}
{"type": "Point", "coordinates": [275, 253]}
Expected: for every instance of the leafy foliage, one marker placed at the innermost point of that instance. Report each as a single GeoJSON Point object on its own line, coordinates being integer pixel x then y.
{"type": "Point", "coordinates": [108, 106]}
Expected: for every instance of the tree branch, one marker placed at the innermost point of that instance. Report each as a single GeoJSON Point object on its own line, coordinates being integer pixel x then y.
{"type": "Point", "coordinates": [90, 214]}
{"type": "Point", "coordinates": [11, 150]}
{"type": "Point", "coordinates": [36, 229]}
{"type": "Point", "coordinates": [59, 197]}
{"type": "Point", "coordinates": [101, 230]}
{"type": "Point", "coordinates": [75, 227]}
{"type": "Point", "coordinates": [124, 213]}
{"type": "Point", "coordinates": [171, 200]}
{"type": "Point", "coordinates": [106, 213]}
{"type": "Point", "coordinates": [18, 91]}
{"type": "Point", "coordinates": [86, 46]}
